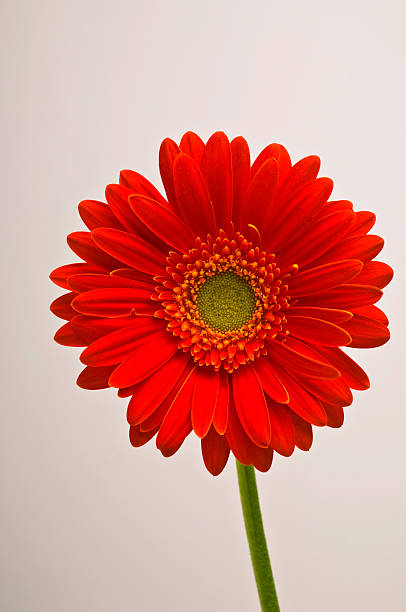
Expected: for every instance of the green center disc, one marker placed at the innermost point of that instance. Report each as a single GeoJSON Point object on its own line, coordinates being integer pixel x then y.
{"type": "Point", "coordinates": [225, 301]}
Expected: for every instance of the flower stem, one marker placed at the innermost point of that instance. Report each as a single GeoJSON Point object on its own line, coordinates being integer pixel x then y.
{"type": "Point", "coordinates": [256, 538]}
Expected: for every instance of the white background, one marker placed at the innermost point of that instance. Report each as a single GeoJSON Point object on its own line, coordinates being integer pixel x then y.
{"type": "Point", "coordinates": [90, 87]}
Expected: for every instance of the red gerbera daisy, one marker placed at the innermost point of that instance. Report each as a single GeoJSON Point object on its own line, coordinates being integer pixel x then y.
{"type": "Point", "coordinates": [221, 309]}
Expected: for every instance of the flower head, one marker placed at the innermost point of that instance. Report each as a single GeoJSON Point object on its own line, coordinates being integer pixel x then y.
{"type": "Point", "coordinates": [222, 308]}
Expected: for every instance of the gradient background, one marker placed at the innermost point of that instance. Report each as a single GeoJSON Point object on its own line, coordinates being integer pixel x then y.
{"type": "Point", "coordinates": [90, 87]}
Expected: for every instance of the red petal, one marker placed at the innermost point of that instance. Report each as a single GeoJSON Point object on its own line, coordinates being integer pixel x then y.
{"type": "Point", "coordinates": [303, 432]}
{"type": "Point", "coordinates": [269, 381]}
{"type": "Point", "coordinates": [221, 413]}
{"type": "Point", "coordinates": [318, 331]}
{"type": "Point", "coordinates": [204, 400]}
{"type": "Point", "coordinates": [302, 402]}
{"type": "Point", "coordinates": [82, 244]}
{"type": "Point", "coordinates": [316, 240]}
{"type": "Point", "coordinates": [216, 170]}
{"type": "Point", "coordinates": [163, 222]}
{"type": "Point", "coordinates": [117, 197]}
{"type": "Point", "coordinates": [324, 277]}
{"type": "Point", "coordinates": [251, 405]}
{"type": "Point", "coordinates": [333, 391]}
{"type": "Point", "coordinates": [61, 275]}
{"type": "Point", "coordinates": [154, 421]}
{"type": "Point", "coordinates": [94, 378]}
{"type": "Point", "coordinates": [111, 302]}
{"type": "Point", "coordinates": [298, 212]}
{"type": "Point", "coordinates": [156, 418]}
{"type": "Point", "coordinates": [149, 394]}
{"type": "Point", "coordinates": [239, 442]}
{"type": "Point", "coordinates": [168, 151]}
{"type": "Point", "coordinates": [243, 448]}
{"type": "Point", "coordinates": [146, 309]}
{"type": "Point", "coordinates": [364, 221]}
{"type": "Point", "coordinates": [241, 171]}
{"type": "Point", "coordinates": [305, 349]}
{"type": "Point", "coordinates": [127, 391]}
{"type": "Point", "coordinates": [142, 279]}
{"type": "Point", "coordinates": [302, 172]}
{"type": "Point", "coordinates": [257, 206]}
{"type": "Point", "coordinates": [277, 152]}
{"type": "Point", "coordinates": [335, 415]}
{"type": "Point", "coordinates": [332, 315]}
{"type": "Point", "coordinates": [145, 360]}
{"type": "Point", "coordinates": [89, 282]}
{"type": "Point", "coordinates": [97, 214]}
{"type": "Point", "coordinates": [372, 312]}
{"type": "Point", "coordinates": [283, 434]}
{"type": "Point", "coordinates": [67, 336]}
{"type": "Point", "coordinates": [364, 248]}
{"type": "Point", "coordinates": [366, 333]}
{"type": "Point", "coordinates": [61, 307]}
{"type": "Point", "coordinates": [177, 423]}
{"type": "Point", "coordinates": [140, 185]}
{"type": "Point", "coordinates": [120, 344]}
{"type": "Point", "coordinates": [296, 361]}
{"type": "Point", "coordinates": [309, 200]}
{"type": "Point", "coordinates": [139, 438]}
{"type": "Point", "coordinates": [193, 199]}
{"type": "Point", "coordinates": [130, 250]}
{"type": "Point", "coordinates": [335, 206]}
{"type": "Point", "coordinates": [192, 145]}
{"type": "Point", "coordinates": [375, 273]}
{"type": "Point", "coordinates": [351, 372]}
{"type": "Point", "coordinates": [215, 452]}
{"type": "Point", "coordinates": [347, 297]}
{"type": "Point", "coordinates": [90, 329]}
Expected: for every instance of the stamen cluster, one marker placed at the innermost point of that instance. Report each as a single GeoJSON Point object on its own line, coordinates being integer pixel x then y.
{"type": "Point", "coordinates": [179, 293]}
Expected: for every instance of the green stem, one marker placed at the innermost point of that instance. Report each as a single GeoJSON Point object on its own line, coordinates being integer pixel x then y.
{"type": "Point", "coordinates": [256, 538]}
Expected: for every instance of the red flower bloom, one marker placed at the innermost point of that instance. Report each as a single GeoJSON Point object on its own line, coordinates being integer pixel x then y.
{"type": "Point", "coordinates": [221, 309]}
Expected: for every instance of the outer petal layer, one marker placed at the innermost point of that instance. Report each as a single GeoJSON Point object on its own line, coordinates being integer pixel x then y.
{"type": "Point", "coordinates": [133, 301]}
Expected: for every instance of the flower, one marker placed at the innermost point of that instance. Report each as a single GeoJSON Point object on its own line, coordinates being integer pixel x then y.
{"type": "Point", "coordinates": [222, 308]}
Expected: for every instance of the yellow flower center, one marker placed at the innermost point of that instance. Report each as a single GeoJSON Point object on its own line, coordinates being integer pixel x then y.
{"type": "Point", "coordinates": [225, 301]}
